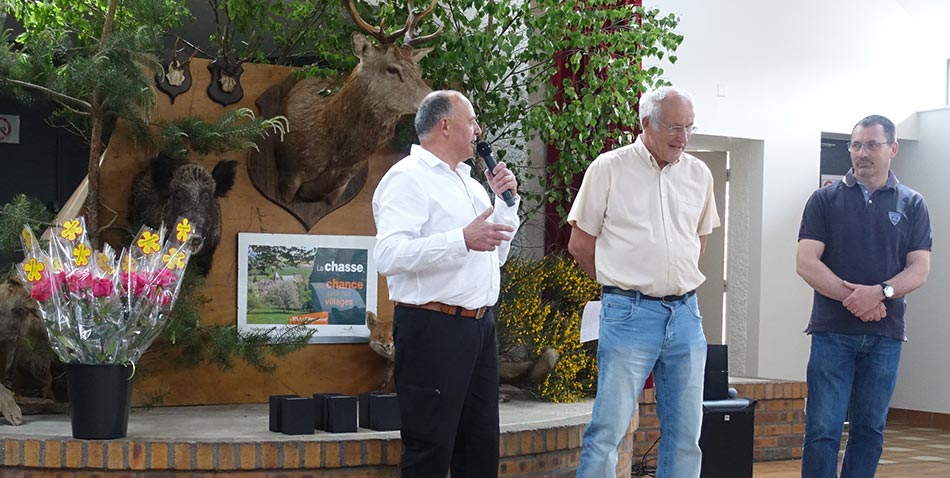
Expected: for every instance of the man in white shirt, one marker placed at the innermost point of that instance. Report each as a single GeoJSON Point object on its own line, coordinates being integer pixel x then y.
{"type": "Point", "coordinates": [640, 222]}
{"type": "Point", "coordinates": [440, 245]}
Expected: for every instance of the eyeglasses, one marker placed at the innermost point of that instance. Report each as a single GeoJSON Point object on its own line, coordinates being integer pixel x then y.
{"type": "Point", "coordinates": [870, 146]}
{"type": "Point", "coordinates": [677, 130]}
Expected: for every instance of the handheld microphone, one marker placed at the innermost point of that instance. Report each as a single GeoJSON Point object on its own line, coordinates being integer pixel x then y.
{"type": "Point", "coordinates": [484, 150]}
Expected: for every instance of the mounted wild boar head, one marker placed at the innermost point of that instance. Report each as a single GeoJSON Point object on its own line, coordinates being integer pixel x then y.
{"type": "Point", "coordinates": [171, 188]}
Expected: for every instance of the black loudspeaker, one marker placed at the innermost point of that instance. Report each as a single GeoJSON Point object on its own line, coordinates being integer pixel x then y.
{"type": "Point", "coordinates": [717, 358]}
{"type": "Point", "coordinates": [727, 438]}
{"type": "Point", "coordinates": [715, 385]}
{"type": "Point", "coordinates": [716, 379]}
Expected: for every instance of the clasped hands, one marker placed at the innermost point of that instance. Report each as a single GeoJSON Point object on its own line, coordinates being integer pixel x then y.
{"type": "Point", "coordinates": [866, 302]}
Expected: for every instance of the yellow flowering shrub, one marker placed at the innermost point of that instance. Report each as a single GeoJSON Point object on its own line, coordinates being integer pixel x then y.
{"type": "Point", "coordinates": [540, 307]}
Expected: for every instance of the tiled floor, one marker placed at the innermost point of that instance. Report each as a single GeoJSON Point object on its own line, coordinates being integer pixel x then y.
{"type": "Point", "coordinates": [909, 451]}
{"type": "Point", "coordinates": [910, 444]}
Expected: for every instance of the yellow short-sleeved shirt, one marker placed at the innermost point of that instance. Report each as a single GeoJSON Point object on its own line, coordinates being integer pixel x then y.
{"type": "Point", "coordinates": [647, 220]}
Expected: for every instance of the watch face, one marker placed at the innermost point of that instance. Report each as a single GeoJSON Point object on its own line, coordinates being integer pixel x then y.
{"type": "Point", "coordinates": [888, 291]}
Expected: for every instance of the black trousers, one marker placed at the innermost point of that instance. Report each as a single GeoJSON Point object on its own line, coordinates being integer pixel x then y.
{"type": "Point", "coordinates": [446, 374]}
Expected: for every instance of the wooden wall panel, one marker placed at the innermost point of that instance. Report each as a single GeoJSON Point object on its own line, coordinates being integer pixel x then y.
{"type": "Point", "coordinates": [347, 368]}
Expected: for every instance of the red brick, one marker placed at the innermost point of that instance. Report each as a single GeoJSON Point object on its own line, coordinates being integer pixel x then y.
{"type": "Point", "coordinates": [31, 453]}
{"type": "Point", "coordinates": [204, 456]}
{"type": "Point", "coordinates": [227, 456]}
{"type": "Point", "coordinates": [182, 455]}
{"type": "Point", "coordinates": [269, 455]}
{"type": "Point", "coordinates": [116, 455]}
{"type": "Point", "coordinates": [137, 456]}
{"type": "Point", "coordinates": [311, 454]}
{"type": "Point", "coordinates": [73, 454]}
{"type": "Point", "coordinates": [158, 456]}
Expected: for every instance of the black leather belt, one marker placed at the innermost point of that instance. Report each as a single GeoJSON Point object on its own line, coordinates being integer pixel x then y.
{"type": "Point", "coordinates": [609, 289]}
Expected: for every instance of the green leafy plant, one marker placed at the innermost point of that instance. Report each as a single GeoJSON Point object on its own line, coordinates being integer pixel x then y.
{"type": "Point", "coordinates": [505, 56]}
{"type": "Point", "coordinates": [219, 345]}
{"type": "Point", "coordinates": [21, 211]}
{"type": "Point", "coordinates": [540, 307]}
{"type": "Point", "coordinates": [604, 45]}
{"type": "Point", "coordinates": [92, 58]}
{"type": "Point", "coordinates": [235, 130]}
{"type": "Point", "coordinates": [292, 31]}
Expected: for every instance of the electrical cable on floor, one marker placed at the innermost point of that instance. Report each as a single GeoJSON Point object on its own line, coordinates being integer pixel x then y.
{"type": "Point", "coordinates": [643, 469]}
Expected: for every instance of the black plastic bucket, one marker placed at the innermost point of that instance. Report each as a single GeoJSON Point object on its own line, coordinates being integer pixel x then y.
{"type": "Point", "coordinates": [99, 398]}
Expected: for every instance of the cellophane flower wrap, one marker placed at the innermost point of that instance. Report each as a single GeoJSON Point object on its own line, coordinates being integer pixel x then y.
{"type": "Point", "coordinates": [100, 306]}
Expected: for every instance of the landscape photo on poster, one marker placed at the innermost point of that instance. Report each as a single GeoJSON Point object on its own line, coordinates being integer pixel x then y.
{"type": "Point", "coordinates": [322, 282]}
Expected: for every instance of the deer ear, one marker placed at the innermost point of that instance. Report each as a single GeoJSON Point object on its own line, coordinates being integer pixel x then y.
{"type": "Point", "coordinates": [361, 45]}
{"type": "Point", "coordinates": [420, 54]}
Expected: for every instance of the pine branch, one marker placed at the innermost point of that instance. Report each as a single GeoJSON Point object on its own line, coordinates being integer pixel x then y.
{"type": "Point", "coordinates": [55, 95]}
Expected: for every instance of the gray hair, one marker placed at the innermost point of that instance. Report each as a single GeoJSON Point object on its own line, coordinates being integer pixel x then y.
{"type": "Point", "coordinates": [650, 102]}
{"type": "Point", "coordinates": [888, 125]}
{"type": "Point", "coordinates": [434, 106]}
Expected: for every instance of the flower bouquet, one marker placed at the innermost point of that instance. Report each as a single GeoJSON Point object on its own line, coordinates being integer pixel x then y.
{"type": "Point", "coordinates": [103, 309]}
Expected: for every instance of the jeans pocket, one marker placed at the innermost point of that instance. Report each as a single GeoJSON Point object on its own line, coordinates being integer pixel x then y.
{"type": "Point", "coordinates": [419, 406]}
{"type": "Point", "coordinates": [616, 309]}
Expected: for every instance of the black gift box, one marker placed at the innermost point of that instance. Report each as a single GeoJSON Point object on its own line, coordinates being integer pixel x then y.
{"type": "Point", "coordinates": [320, 409]}
{"type": "Point", "coordinates": [341, 414]}
{"type": "Point", "coordinates": [275, 411]}
{"type": "Point", "coordinates": [296, 416]}
{"type": "Point", "coordinates": [383, 412]}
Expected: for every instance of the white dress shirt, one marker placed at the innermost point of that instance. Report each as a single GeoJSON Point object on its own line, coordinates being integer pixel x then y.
{"type": "Point", "coordinates": [420, 208]}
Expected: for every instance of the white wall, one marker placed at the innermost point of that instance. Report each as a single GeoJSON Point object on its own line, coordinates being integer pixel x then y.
{"type": "Point", "coordinates": [789, 71]}
{"type": "Point", "coordinates": [923, 382]}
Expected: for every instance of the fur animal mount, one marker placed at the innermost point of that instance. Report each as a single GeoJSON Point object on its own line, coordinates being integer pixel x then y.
{"type": "Point", "coordinates": [168, 188]}
{"type": "Point", "coordinates": [381, 341]}
{"type": "Point", "coordinates": [24, 351]}
{"type": "Point", "coordinates": [323, 158]}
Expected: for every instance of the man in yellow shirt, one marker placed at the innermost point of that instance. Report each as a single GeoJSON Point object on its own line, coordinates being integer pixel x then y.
{"type": "Point", "coordinates": [639, 224]}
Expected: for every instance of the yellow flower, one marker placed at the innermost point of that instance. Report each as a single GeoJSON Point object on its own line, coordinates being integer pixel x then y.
{"type": "Point", "coordinates": [148, 243]}
{"type": "Point", "coordinates": [27, 238]}
{"type": "Point", "coordinates": [71, 230]}
{"type": "Point", "coordinates": [81, 255]}
{"type": "Point", "coordinates": [184, 230]}
{"type": "Point", "coordinates": [175, 259]}
{"type": "Point", "coordinates": [104, 263]}
{"type": "Point", "coordinates": [34, 270]}
{"type": "Point", "coordinates": [128, 265]}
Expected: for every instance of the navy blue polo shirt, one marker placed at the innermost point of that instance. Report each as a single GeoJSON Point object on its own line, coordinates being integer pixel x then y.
{"type": "Point", "coordinates": [867, 238]}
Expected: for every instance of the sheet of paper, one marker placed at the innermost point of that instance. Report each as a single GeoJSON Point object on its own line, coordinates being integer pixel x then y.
{"type": "Point", "coordinates": [590, 321]}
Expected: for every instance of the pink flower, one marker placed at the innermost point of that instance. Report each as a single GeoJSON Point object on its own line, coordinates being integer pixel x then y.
{"type": "Point", "coordinates": [134, 281]}
{"type": "Point", "coordinates": [42, 290]}
{"type": "Point", "coordinates": [164, 278]}
{"type": "Point", "coordinates": [165, 298]}
{"type": "Point", "coordinates": [102, 287]}
{"type": "Point", "coordinates": [79, 280]}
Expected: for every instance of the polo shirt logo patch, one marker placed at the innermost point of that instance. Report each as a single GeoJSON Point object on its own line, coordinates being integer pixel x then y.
{"type": "Point", "coordinates": [895, 217]}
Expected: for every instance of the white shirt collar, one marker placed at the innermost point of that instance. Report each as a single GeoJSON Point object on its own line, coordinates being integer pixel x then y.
{"type": "Point", "coordinates": [433, 161]}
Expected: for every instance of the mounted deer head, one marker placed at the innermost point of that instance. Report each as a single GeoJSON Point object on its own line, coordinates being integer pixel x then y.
{"type": "Point", "coordinates": [331, 136]}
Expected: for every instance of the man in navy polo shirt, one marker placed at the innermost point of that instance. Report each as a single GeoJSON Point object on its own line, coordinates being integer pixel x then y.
{"type": "Point", "coordinates": [864, 244]}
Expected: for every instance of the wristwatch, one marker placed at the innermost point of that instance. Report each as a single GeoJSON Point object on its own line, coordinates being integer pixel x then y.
{"type": "Point", "coordinates": [888, 290]}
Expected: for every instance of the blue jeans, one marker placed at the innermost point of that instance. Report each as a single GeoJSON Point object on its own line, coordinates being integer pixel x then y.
{"type": "Point", "coordinates": [860, 370]}
{"type": "Point", "coordinates": [636, 336]}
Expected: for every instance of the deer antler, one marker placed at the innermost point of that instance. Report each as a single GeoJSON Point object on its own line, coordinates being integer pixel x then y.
{"type": "Point", "coordinates": [387, 39]}
{"type": "Point", "coordinates": [414, 21]}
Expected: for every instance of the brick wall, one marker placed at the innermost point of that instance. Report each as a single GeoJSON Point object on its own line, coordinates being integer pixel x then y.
{"type": "Point", "coordinates": [552, 452]}
{"type": "Point", "coordinates": [779, 420]}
